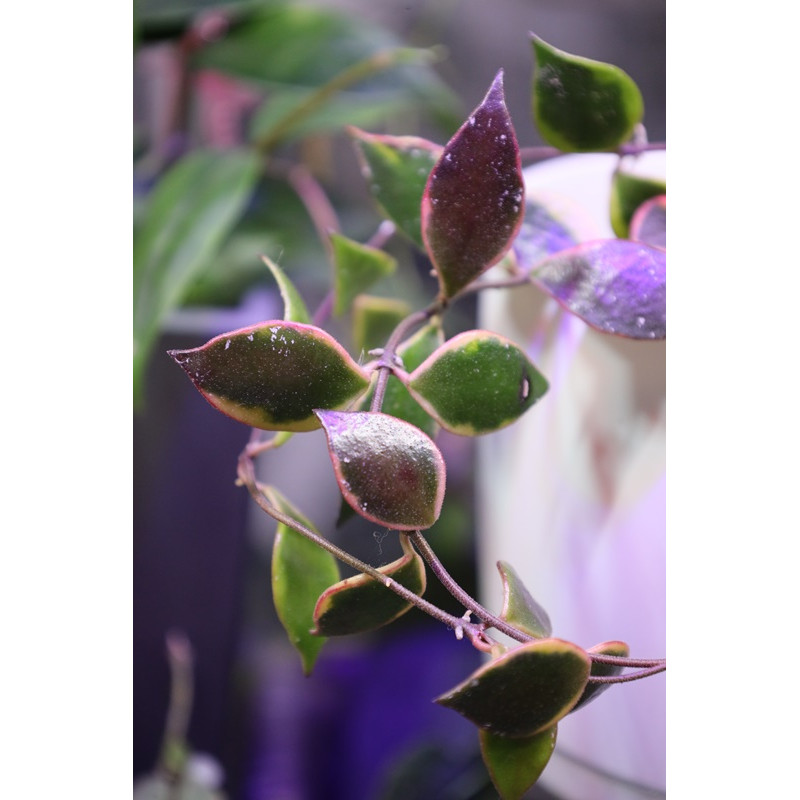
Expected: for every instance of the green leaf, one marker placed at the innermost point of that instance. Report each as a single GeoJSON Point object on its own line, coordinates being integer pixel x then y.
{"type": "Point", "coordinates": [614, 285]}
{"type": "Point", "coordinates": [525, 691]}
{"type": "Point", "coordinates": [374, 319]}
{"type": "Point", "coordinates": [342, 109]}
{"type": "Point", "coordinates": [628, 192]}
{"type": "Point", "coordinates": [356, 268]}
{"type": "Point", "coordinates": [361, 604]}
{"type": "Point", "coordinates": [515, 764]}
{"type": "Point", "coordinates": [294, 308]}
{"type": "Point", "coordinates": [398, 401]}
{"type": "Point", "coordinates": [388, 471]}
{"type": "Point", "coordinates": [188, 217]}
{"type": "Point", "coordinates": [519, 607]}
{"type": "Point", "coordinates": [476, 383]}
{"type": "Point", "coordinates": [594, 690]}
{"type": "Point", "coordinates": [474, 200]}
{"type": "Point", "coordinates": [580, 105]}
{"type": "Point", "coordinates": [300, 571]}
{"type": "Point", "coordinates": [273, 375]}
{"type": "Point", "coordinates": [649, 223]}
{"type": "Point", "coordinates": [396, 169]}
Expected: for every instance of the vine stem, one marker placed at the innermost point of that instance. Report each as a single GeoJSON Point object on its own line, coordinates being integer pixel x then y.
{"type": "Point", "coordinates": [386, 362]}
{"type": "Point", "coordinates": [246, 475]}
{"type": "Point", "coordinates": [432, 560]}
{"type": "Point", "coordinates": [631, 676]}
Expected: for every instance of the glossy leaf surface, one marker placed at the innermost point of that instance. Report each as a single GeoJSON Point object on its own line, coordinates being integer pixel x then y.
{"type": "Point", "coordinates": [273, 375]}
{"type": "Point", "coordinates": [374, 319]}
{"type": "Point", "coordinates": [294, 308]}
{"type": "Point", "coordinates": [474, 199]}
{"type": "Point", "coordinates": [396, 169]}
{"type": "Point", "coordinates": [356, 268]}
{"type": "Point", "coordinates": [389, 471]}
{"type": "Point", "coordinates": [515, 764]}
{"type": "Point", "coordinates": [649, 223]}
{"type": "Point", "coordinates": [476, 383]}
{"type": "Point", "coordinates": [190, 213]}
{"type": "Point", "coordinates": [360, 604]}
{"type": "Point", "coordinates": [300, 571]}
{"type": "Point", "coordinates": [519, 607]}
{"type": "Point", "coordinates": [579, 104]}
{"type": "Point", "coordinates": [524, 691]}
{"type": "Point", "coordinates": [398, 401]}
{"type": "Point", "coordinates": [628, 192]}
{"type": "Point", "coordinates": [594, 690]}
{"type": "Point", "coordinates": [541, 235]}
{"type": "Point", "coordinates": [614, 285]}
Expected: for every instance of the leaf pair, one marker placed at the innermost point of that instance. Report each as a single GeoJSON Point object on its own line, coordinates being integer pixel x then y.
{"type": "Point", "coordinates": [462, 204]}
{"type": "Point", "coordinates": [518, 698]}
{"type": "Point", "coordinates": [310, 600]}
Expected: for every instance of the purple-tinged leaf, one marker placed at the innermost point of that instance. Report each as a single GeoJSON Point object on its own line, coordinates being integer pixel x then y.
{"type": "Point", "coordinates": [541, 235]}
{"type": "Point", "coordinates": [594, 690]}
{"type": "Point", "coordinates": [649, 223]}
{"type": "Point", "coordinates": [515, 764]}
{"type": "Point", "coordinates": [273, 375]}
{"type": "Point", "coordinates": [614, 285]}
{"type": "Point", "coordinates": [519, 607]}
{"type": "Point", "coordinates": [525, 691]}
{"type": "Point", "coordinates": [474, 200]}
{"type": "Point", "coordinates": [361, 603]}
{"type": "Point", "coordinates": [388, 470]}
{"type": "Point", "coordinates": [300, 571]}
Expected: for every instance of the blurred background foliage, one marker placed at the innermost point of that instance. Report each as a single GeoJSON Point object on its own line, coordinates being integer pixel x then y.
{"type": "Point", "coordinates": [239, 110]}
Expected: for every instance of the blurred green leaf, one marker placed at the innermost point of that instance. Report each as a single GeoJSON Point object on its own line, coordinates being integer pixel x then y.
{"type": "Point", "coordinates": [374, 319]}
{"type": "Point", "coordinates": [396, 169]}
{"type": "Point", "coordinates": [356, 268]}
{"type": "Point", "coordinates": [273, 375]}
{"type": "Point", "coordinates": [189, 214]}
{"type": "Point", "coordinates": [476, 383]}
{"type": "Point", "coordinates": [519, 607]}
{"type": "Point", "coordinates": [301, 571]}
{"type": "Point", "coordinates": [580, 105]}
{"type": "Point", "coordinates": [294, 309]}
{"type": "Point", "coordinates": [361, 604]}
{"type": "Point", "coordinates": [344, 108]}
{"type": "Point", "coordinates": [525, 691]}
{"type": "Point", "coordinates": [515, 764]}
{"type": "Point", "coordinates": [294, 45]}
{"type": "Point", "coordinates": [474, 201]}
{"type": "Point", "coordinates": [628, 192]}
{"type": "Point", "coordinates": [389, 471]}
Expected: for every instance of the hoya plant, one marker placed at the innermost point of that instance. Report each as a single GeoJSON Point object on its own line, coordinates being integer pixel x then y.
{"type": "Point", "coordinates": [463, 205]}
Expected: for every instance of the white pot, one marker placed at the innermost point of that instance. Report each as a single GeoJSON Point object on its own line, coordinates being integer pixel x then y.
{"type": "Point", "coordinates": [573, 497]}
